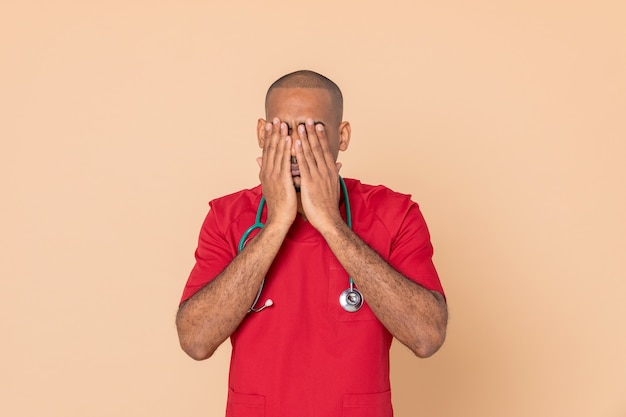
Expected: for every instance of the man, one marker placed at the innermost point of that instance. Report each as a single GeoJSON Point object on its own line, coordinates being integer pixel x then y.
{"type": "Point", "coordinates": [310, 350]}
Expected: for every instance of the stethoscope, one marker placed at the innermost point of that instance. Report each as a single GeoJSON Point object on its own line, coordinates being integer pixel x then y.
{"type": "Point", "coordinates": [350, 299]}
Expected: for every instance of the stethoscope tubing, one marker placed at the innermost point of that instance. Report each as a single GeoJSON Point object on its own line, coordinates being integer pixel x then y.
{"type": "Point", "coordinates": [258, 224]}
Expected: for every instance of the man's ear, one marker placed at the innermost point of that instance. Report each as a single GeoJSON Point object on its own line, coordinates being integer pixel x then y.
{"type": "Point", "coordinates": [260, 132]}
{"type": "Point", "coordinates": [344, 135]}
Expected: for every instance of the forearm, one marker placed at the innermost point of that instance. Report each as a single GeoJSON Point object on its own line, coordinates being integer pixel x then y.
{"type": "Point", "coordinates": [415, 316]}
{"type": "Point", "coordinates": [212, 314]}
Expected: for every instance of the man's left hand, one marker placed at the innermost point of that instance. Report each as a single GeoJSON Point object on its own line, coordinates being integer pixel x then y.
{"type": "Point", "coordinates": [319, 173]}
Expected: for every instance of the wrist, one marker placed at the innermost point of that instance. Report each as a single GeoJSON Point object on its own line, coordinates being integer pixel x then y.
{"type": "Point", "coordinates": [332, 228]}
{"type": "Point", "coordinates": [280, 225]}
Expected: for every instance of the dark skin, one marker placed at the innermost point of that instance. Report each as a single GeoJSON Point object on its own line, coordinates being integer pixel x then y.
{"type": "Point", "coordinates": [305, 124]}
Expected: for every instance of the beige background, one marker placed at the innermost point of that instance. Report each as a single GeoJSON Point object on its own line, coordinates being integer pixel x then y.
{"type": "Point", "coordinates": [504, 120]}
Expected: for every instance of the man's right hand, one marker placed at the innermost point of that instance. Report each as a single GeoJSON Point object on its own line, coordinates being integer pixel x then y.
{"type": "Point", "coordinates": [275, 175]}
{"type": "Point", "coordinates": [212, 314]}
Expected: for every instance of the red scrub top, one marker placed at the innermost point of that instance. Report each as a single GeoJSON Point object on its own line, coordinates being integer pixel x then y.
{"type": "Point", "coordinates": [305, 356]}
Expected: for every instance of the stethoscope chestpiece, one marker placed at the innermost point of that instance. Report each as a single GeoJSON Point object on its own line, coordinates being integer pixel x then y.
{"type": "Point", "coordinates": [351, 300]}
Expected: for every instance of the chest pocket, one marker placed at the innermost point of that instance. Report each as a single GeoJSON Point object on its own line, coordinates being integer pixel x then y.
{"type": "Point", "coordinates": [368, 405]}
{"type": "Point", "coordinates": [339, 281]}
{"type": "Point", "coordinates": [244, 405]}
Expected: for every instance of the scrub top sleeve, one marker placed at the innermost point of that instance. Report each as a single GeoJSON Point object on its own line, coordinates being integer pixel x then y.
{"type": "Point", "coordinates": [412, 251]}
{"type": "Point", "coordinates": [213, 254]}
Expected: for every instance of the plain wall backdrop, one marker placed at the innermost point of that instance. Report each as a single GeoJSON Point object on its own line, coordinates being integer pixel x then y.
{"type": "Point", "coordinates": [120, 120]}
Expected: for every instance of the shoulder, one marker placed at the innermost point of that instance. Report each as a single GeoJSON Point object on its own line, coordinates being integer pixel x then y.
{"type": "Point", "coordinates": [231, 206]}
{"type": "Point", "coordinates": [377, 197]}
{"type": "Point", "coordinates": [378, 204]}
{"type": "Point", "coordinates": [239, 198]}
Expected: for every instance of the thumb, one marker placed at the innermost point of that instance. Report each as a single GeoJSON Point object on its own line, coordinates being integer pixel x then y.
{"type": "Point", "coordinates": [338, 165]}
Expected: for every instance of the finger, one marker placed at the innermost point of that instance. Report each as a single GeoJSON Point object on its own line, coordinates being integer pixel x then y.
{"type": "Point", "coordinates": [309, 143]}
{"type": "Point", "coordinates": [272, 148]}
{"type": "Point", "coordinates": [303, 155]}
{"type": "Point", "coordinates": [324, 146]}
{"type": "Point", "coordinates": [303, 163]}
{"type": "Point", "coordinates": [319, 145]}
{"type": "Point", "coordinates": [267, 144]}
{"type": "Point", "coordinates": [313, 140]}
{"type": "Point", "coordinates": [259, 161]}
{"type": "Point", "coordinates": [280, 139]}
{"type": "Point", "coordinates": [286, 157]}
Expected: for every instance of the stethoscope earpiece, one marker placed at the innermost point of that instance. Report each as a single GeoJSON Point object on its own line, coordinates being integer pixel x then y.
{"type": "Point", "coordinates": [268, 303]}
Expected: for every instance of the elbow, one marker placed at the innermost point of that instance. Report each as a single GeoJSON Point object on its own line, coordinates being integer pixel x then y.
{"type": "Point", "coordinates": [428, 341]}
{"type": "Point", "coordinates": [429, 337]}
{"type": "Point", "coordinates": [198, 355]}
{"type": "Point", "coordinates": [428, 346]}
{"type": "Point", "coordinates": [196, 351]}
{"type": "Point", "coordinates": [192, 344]}
{"type": "Point", "coordinates": [190, 338]}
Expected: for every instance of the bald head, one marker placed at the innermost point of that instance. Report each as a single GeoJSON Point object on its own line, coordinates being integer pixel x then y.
{"type": "Point", "coordinates": [309, 79]}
